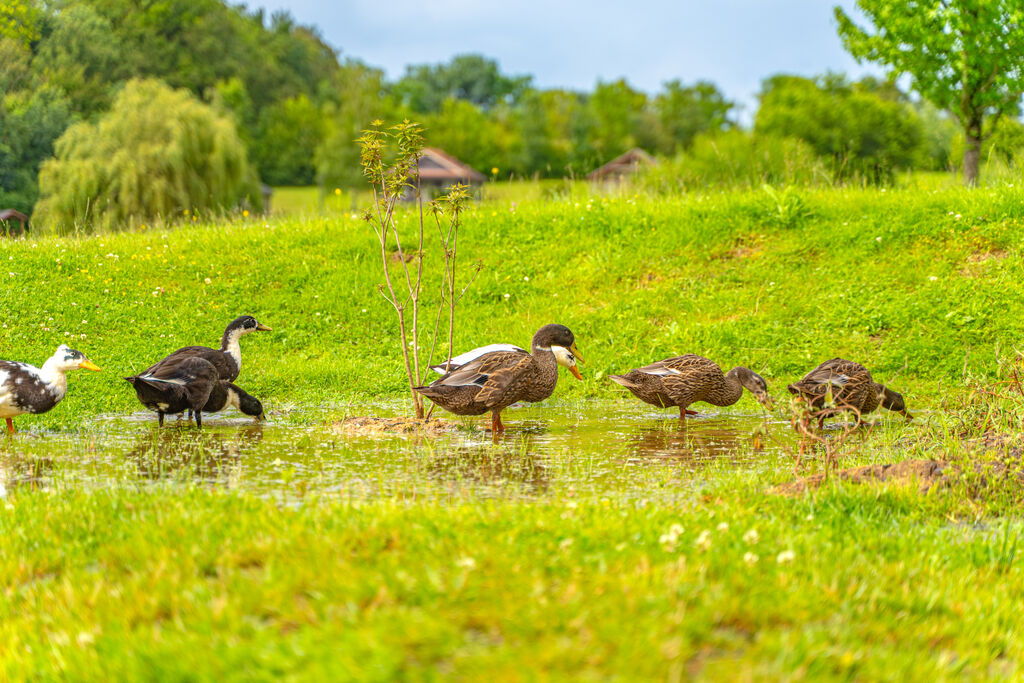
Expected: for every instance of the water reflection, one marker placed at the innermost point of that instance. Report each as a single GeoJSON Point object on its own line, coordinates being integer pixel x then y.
{"type": "Point", "coordinates": [18, 472]}
{"type": "Point", "coordinates": [515, 461]}
{"type": "Point", "coordinates": [685, 441]}
{"type": "Point", "coordinates": [211, 456]}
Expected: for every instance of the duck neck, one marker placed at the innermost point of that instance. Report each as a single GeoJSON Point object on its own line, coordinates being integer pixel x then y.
{"type": "Point", "coordinates": [732, 387]}
{"type": "Point", "coordinates": [545, 357]}
{"type": "Point", "coordinates": [230, 345]}
{"type": "Point", "coordinates": [53, 375]}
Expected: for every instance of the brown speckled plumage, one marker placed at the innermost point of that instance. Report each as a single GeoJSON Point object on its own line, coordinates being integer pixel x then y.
{"type": "Point", "coordinates": [496, 380]}
{"type": "Point", "coordinates": [852, 388]}
{"type": "Point", "coordinates": [684, 380]}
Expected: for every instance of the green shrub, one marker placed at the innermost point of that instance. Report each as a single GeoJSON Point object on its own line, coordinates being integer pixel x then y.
{"type": "Point", "coordinates": [158, 153]}
{"type": "Point", "coordinates": [736, 159]}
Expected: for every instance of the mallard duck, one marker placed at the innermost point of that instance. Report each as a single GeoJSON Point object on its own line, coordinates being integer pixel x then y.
{"type": "Point", "coordinates": [227, 359]}
{"type": "Point", "coordinates": [28, 389]}
{"type": "Point", "coordinates": [684, 380]}
{"type": "Point", "coordinates": [852, 390]}
{"type": "Point", "coordinates": [493, 381]}
{"type": "Point", "coordinates": [190, 383]}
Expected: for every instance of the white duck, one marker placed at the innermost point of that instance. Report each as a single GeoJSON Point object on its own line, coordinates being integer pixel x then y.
{"type": "Point", "coordinates": [28, 389]}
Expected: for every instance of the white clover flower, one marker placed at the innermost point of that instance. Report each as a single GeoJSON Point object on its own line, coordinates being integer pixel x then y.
{"type": "Point", "coordinates": [466, 563]}
{"type": "Point", "coordinates": [723, 526]}
{"type": "Point", "coordinates": [785, 557]}
{"type": "Point", "coordinates": [750, 558]}
{"type": "Point", "coordinates": [703, 541]}
{"type": "Point", "coordinates": [676, 529]}
{"type": "Point", "coordinates": [751, 537]}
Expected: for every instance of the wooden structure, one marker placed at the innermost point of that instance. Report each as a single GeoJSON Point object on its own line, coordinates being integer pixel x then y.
{"type": "Point", "coordinates": [8, 215]}
{"type": "Point", "coordinates": [622, 166]}
{"type": "Point", "coordinates": [439, 171]}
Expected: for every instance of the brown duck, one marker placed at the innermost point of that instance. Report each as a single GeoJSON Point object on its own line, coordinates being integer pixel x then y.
{"type": "Point", "coordinates": [684, 380]}
{"type": "Point", "coordinates": [852, 388]}
{"type": "Point", "coordinates": [494, 381]}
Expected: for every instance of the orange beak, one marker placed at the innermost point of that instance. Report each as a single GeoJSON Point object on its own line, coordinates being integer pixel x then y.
{"type": "Point", "coordinates": [88, 365]}
{"type": "Point", "coordinates": [575, 373]}
{"type": "Point", "coordinates": [263, 328]}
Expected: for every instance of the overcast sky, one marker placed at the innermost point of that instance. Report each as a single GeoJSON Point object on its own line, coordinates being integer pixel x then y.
{"type": "Point", "coordinates": [574, 43]}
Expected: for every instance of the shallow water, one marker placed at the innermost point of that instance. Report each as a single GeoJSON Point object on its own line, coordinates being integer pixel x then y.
{"type": "Point", "coordinates": [586, 446]}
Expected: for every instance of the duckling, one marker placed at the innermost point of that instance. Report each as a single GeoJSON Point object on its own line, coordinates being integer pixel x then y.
{"type": "Point", "coordinates": [684, 380]}
{"type": "Point", "coordinates": [227, 359]}
{"type": "Point", "coordinates": [852, 390]}
{"type": "Point", "coordinates": [27, 389]}
{"type": "Point", "coordinates": [493, 381]}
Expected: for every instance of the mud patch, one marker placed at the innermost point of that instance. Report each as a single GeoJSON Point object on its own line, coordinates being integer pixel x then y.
{"type": "Point", "coordinates": [925, 474]}
{"type": "Point", "coordinates": [392, 426]}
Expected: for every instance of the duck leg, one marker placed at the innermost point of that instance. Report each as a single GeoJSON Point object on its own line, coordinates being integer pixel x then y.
{"type": "Point", "coordinates": [496, 425]}
{"type": "Point", "coordinates": [684, 411]}
{"type": "Point", "coordinates": [10, 426]}
{"type": "Point", "coordinates": [160, 417]}
{"type": "Point", "coordinates": [199, 419]}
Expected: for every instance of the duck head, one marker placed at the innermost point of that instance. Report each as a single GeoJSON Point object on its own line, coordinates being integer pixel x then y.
{"type": "Point", "coordinates": [65, 359]}
{"type": "Point", "coordinates": [560, 340]}
{"type": "Point", "coordinates": [246, 403]}
{"type": "Point", "coordinates": [246, 324]}
{"type": "Point", "coordinates": [893, 401]}
{"type": "Point", "coordinates": [754, 383]}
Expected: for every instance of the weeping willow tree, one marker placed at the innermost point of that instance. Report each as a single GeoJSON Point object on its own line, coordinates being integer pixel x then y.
{"type": "Point", "coordinates": [159, 153]}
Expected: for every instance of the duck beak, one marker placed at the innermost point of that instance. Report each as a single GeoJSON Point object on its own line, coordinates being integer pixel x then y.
{"type": "Point", "coordinates": [906, 414]}
{"type": "Point", "coordinates": [575, 373]}
{"type": "Point", "coordinates": [88, 365]}
{"type": "Point", "coordinates": [263, 328]}
{"type": "Point", "coordinates": [576, 352]}
{"type": "Point", "coordinates": [766, 401]}
{"type": "Point", "coordinates": [261, 417]}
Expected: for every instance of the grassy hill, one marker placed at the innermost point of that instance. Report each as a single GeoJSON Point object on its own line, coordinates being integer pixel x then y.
{"type": "Point", "coordinates": [926, 285]}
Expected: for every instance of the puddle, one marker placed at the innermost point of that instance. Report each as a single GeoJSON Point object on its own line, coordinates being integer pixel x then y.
{"type": "Point", "coordinates": [583, 446]}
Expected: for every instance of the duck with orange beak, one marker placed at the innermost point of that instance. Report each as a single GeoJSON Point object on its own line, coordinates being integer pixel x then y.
{"type": "Point", "coordinates": [495, 380]}
{"type": "Point", "coordinates": [28, 389]}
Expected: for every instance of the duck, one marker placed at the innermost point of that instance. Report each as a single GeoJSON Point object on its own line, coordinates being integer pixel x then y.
{"type": "Point", "coordinates": [495, 380]}
{"type": "Point", "coordinates": [228, 358]}
{"type": "Point", "coordinates": [28, 389]}
{"type": "Point", "coordinates": [852, 388]}
{"type": "Point", "coordinates": [190, 383]}
{"type": "Point", "coordinates": [684, 380]}
{"type": "Point", "coordinates": [563, 357]}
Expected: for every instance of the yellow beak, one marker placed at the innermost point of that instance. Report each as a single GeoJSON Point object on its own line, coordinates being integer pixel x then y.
{"type": "Point", "coordinates": [263, 328]}
{"type": "Point", "coordinates": [576, 352]}
{"type": "Point", "coordinates": [88, 365]}
{"type": "Point", "coordinates": [575, 373]}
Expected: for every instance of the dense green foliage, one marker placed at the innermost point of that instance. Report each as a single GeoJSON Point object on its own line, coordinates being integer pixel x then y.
{"type": "Point", "coordinates": [157, 152]}
{"type": "Point", "coordinates": [965, 56]}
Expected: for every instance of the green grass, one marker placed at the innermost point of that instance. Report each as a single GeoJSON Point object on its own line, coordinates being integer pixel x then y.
{"type": "Point", "coordinates": [925, 285]}
{"type": "Point", "coordinates": [174, 581]}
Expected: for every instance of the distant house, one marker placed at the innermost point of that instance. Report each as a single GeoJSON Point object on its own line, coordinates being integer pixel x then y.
{"type": "Point", "coordinates": [439, 171]}
{"type": "Point", "coordinates": [622, 166]}
{"type": "Point", "coordinates": [7, 217]}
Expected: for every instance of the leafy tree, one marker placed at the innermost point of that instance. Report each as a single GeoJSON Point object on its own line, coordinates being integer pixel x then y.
{"type": "Point", "coordinates": [684, 112]}
{"type": "Point", "coordinates": [21, 21]}
{"type": "Point", "coordinates": [467, 133]}
{"type": "Point", "coordinates": [618, 111]}
{"type": "Point", "coordinates": [473, 78]}
{"type": "Point", "coordinates": [288, 135]}
{"type": "Point", "coordinates": [79, 56]}
{"type": "Point", "coordinates": [30, 122]}
{"type": "Point", "coordinates": [157, 153]}
{"type": "Point", "coordinates": [859, 130]}
{"type": "Point", "coordinates": [965, 56]}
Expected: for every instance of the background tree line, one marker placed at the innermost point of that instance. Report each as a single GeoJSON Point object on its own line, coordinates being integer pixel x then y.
{"type": "Point", "coordinates": [295, 106]}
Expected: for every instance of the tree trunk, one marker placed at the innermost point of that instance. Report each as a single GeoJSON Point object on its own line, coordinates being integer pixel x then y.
{"type": "Point", "coordinates": [972, 153]}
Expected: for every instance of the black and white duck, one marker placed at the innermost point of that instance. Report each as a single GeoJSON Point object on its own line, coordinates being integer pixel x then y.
{"type": "Point", "coordinates": [190, 383]}
{"type": "Point", "coordinates": [28, 389]}
{"type": "Point", "coordinates": [493, 381]}
{"type": "Point", "coordinates": [228, 358]}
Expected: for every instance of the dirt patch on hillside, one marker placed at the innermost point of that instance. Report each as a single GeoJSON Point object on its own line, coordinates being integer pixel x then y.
{"type": "Point", "coordinates": [391, 426]}
{"type": "Point", "coordinates": [922, 473]}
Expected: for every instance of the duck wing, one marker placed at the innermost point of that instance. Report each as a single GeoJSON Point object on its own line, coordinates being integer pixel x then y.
{"type": "Point", "coordinates": [184, 378]}
{"type": "Point", "coordinates": [495, 373]}
{"type": "Point", "coordinates": [223, 362]}
{"type": "Point", "coordinates": [463, 358]}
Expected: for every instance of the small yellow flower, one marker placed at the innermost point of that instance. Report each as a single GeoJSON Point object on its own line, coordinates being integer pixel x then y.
{"type": "Point", "coordinates": [494, 170]}
{"type": "Point", "coordinates": [337, 191]}
{"type": "Point", "coordinates": [245, 213]}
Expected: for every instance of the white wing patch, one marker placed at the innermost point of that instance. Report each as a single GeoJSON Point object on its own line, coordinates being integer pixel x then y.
{"type": "Point", "coordinates": [151, 378]}
{"type": "Point", "coordinates": [661, 372]}
{"type": "Point", "coordinates": [470, 356]}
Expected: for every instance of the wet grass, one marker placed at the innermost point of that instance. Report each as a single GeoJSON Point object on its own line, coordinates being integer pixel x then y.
{"type": "Point", "coordinates": [599, 538]}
